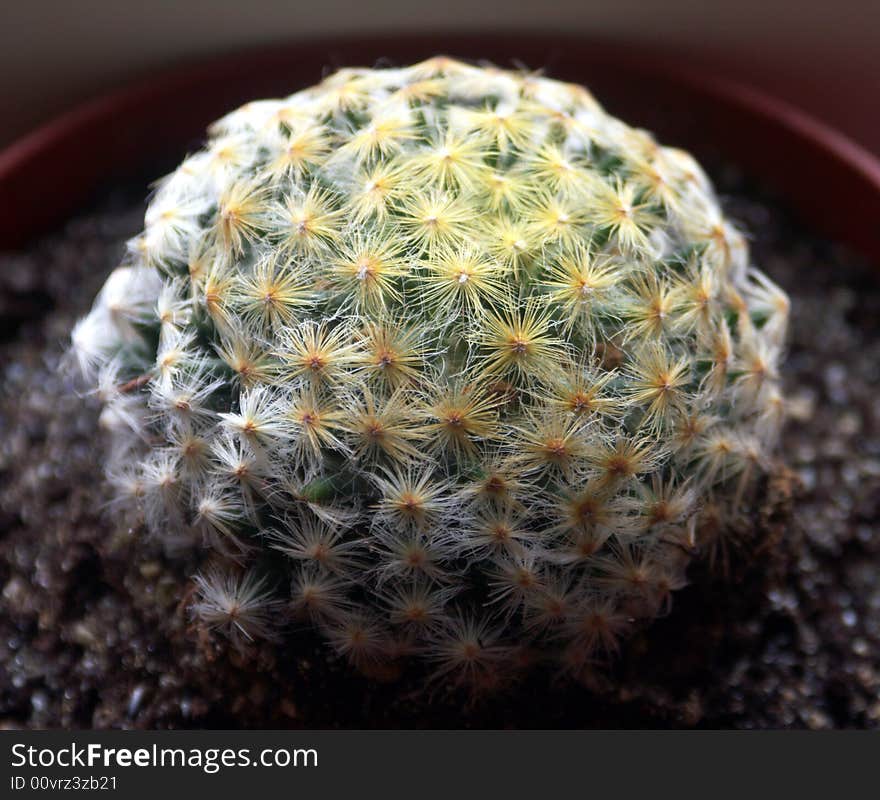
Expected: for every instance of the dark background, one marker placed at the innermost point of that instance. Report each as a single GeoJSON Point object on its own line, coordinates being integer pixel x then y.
{"type": "Point", "coordinates": [823, 55]}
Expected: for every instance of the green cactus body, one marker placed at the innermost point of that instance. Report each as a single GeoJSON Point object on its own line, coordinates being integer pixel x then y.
{"type": "Point", "coordinates": [468, 358]}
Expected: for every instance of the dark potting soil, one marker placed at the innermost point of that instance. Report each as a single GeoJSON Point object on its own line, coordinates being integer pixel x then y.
{"type": "Point", "coordinates": [783, 631]}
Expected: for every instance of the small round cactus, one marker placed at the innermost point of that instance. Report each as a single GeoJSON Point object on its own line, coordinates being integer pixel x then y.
{"type": "Point", "coordinates": [444, 361]}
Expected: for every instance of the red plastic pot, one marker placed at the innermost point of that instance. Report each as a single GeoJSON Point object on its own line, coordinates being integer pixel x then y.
{"type": "Point", "coordinates": [833, 183]}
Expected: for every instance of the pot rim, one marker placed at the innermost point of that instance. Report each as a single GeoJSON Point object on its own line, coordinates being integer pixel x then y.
{"type": "Point", "coordinates": [40, 152]}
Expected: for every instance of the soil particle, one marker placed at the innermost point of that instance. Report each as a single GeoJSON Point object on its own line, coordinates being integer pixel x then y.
{"type": "Point", "coordinates": [781, 629]}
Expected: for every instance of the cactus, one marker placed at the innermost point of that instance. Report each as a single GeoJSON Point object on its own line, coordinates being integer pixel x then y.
{"type": "Point", "coordinates": [443, 361]}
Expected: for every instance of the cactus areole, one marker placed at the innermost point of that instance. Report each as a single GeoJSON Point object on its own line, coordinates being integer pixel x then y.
{"type": "Point", "coordinates": [443, 361]}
